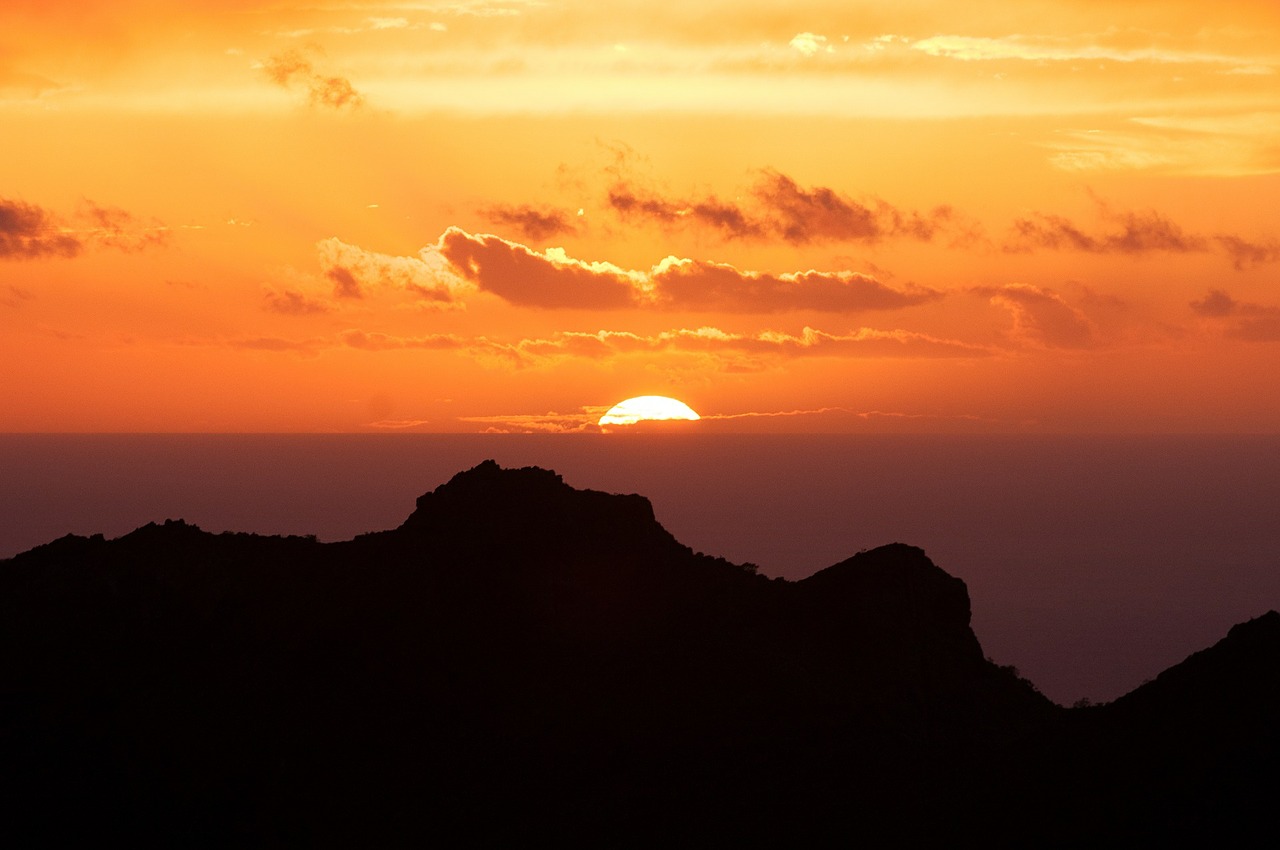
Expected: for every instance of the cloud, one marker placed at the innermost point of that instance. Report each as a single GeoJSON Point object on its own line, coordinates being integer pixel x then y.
{"type": "Point", "coordinates": [290, 302]}
{"type": "Point", "coordinates": [291, 69]}
{"type": "Point", "coordinates": [116, 228]}
{"type": "Point", "coordinates": [710, 347]}
{"type": "Point", "coordinates": [809, 342]}
{"type": "Point", "coordinates": [1231, 144]}
{"type": "Point", "coordinates": [15, 296]}
{"type": "Point", "coordinates": [532, 223]}
{"type": "Point", "coordinates": [776, 414]}
{"type": "Point", "coordinates": [20, 84]}
{"type": "Point", "coordinates": [334, 92]}
{"type": "Point", "coordinates": [1041, 316]}
{"type": "Point", "coordinates": [809, 43]}
{"type": "Point", "coordinates": [1252, 322]}
{"type": "Point", "coordinates": [353, 271]}
{"type": "Point", "coordinates": [865, 415]}
{"type": "Point", "coordinates": [529, 278]}
{"type": "Point", "coordinates": [57, 333]}
{"type": "Point", "coordinates": [552, 279]}
{"type": "Point", "coordinates": [345, 284]}
{"type": "Point", "coordinates": [1091, 48]}
{"type": "Point", "coordinates": [398, 424]}
{"type": "Point", "coordinates": [727, 217]}
{"type": "Point", "coordinates": [1216, 303]}
{"type": "Point", "coordinates": [285, 68]}
{"type": "Point", "coordinates": [384, 342]}
{"type": "Point", "coordinates": [783, 209]}
{"type": "Point", "coordinates": [1245, 254]}
{"type": "Point", "coordinates": [701, 285]}
{"type": "Point", "coordinates": [301, 347]}
{"type": "Point", "coordinates": [28, 232]}
{"type": "Point", "coordinates": [1261, 327]}
{"type": "Point", "coordinates": [809, 215]}
{"type": "Point", "coordinates": [1132, 232]}
{"type": "Point", "coordinates": [544, 423]}
{"type": "Point", "coordinates": [586, 419]}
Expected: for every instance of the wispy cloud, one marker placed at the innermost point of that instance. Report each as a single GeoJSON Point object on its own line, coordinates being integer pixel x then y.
{"type": "Point", "coordinates": [532, 222]}
{"type": "Point", "coordinates": [1245, 253]}
{"type": "Point", "coordinates": [384, 342]}
{"type": "Point", "coordinates": [290, 69]}
{"type": "Point", "coordinates": [301, 347]}
{"type": "Point", "coordinates": [1230, 144]}
{"type": "Point", "coordinates": [1092, 48]}
{"type": "Point", "coordinates": [783, 209]}
{"type": "Point", "coordinates": [1245, 321]}
{"type": "Point", "coordinates": [15, 296]}
{"type": "Point", "coordinates": [540, 423]}
{"type": "Point", "coordinates": [113, 227]}
{"type": "Point", "coordinates": [29, 232]}
{"type": "Point", "coordinates": [758, 347]}
{"type": "Point", "coordinates": [1041, 317]}
{"type": "Point", "coordinates": [710, 347]}
{"type": "Point", "coordinates": [1131, 232]}
{"type": "Point", "coordinates": [291, 302]}
{"type": "Point", "coordinates": [586, 419]}
{"type": "Point", "coordinates": [398, 424]}
{"type": "Point", "coordinates": [777, 414]}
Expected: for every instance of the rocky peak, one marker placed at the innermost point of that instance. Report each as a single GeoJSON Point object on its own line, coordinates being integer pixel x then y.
{"type": "Point", "coordinates": [528, 508]}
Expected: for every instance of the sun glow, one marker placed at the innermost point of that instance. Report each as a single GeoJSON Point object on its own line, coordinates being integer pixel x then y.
{"type": "Point", "coordinates": [647, 407]}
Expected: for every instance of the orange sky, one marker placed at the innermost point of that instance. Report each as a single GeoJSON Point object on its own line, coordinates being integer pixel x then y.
{"type": "Point", "coordinates": [505, 214]}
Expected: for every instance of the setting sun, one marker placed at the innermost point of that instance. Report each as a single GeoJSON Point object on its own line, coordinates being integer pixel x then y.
{"type": "Point", "coordinates": [647, 407]}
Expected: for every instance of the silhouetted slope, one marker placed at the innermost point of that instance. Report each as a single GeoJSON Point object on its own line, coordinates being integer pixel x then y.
{"type": "Point", "coordinates": [1193, 757]}
{"type": "Point", "coordinates": [524, 659]}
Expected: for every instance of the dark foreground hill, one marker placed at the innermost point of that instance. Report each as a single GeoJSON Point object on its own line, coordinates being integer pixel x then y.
{"type": "Point", "coordinates": [523, 661]}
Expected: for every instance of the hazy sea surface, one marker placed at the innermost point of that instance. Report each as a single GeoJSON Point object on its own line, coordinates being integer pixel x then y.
{"type": "Point", "coordinates": [1092, 563]}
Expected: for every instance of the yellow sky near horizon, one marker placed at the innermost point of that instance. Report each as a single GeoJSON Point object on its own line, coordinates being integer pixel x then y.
{"type": "Point", "coordinates": [460, 216]}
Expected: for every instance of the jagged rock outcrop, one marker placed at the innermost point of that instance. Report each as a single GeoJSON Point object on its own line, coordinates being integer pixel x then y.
{"type": "Point", "coordinates": [521, 658]}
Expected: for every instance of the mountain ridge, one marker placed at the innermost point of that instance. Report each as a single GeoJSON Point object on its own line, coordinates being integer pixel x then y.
{"type": "Point", "coordinates": [520, 655]}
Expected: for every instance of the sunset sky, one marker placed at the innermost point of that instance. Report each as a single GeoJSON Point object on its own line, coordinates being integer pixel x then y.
{"type": "Point", "coordinates": [1050, 216]}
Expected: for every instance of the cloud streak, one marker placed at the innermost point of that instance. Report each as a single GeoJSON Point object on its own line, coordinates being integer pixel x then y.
{"type": "Point", "coordinates": [1248, 322]}
{"type": "Point", "coordinates": [783, 209]}
{"type": "Point", "coordinates": [586, 420]}
{"type": "Point", "coordinates": [531, 222]}
{"type": "Point", "coordinates": [1131, 233]}
{"type": "Point", "coordinates": [1090, 49]}
{"type": "Point", "coordinates": [551, 279]}
{"type": "Point", "coordinates": [1245, 254]}
{"type": "Point", "coordinates": [385, 342]}
{"type": "Point", "coordinates": [290, 302]}
{"type": "Point", "coordinates": [715, 347]}
{"type": "Point", "coordinates": [767, 345]}
{"type": "Point", "coordinates": [113, 227]}
{"type": "Point", "coordinates": [15, 296]}
{"type": "Point", "coordinates": [29, 232]}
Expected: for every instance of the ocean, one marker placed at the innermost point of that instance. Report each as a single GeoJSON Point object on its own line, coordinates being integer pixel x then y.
{"type": "Point", "coordinates": [1092, 562]}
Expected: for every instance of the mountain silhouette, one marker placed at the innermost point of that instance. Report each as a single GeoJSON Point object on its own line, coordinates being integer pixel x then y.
{"type": "Point", "coordinates": [521, 660]}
